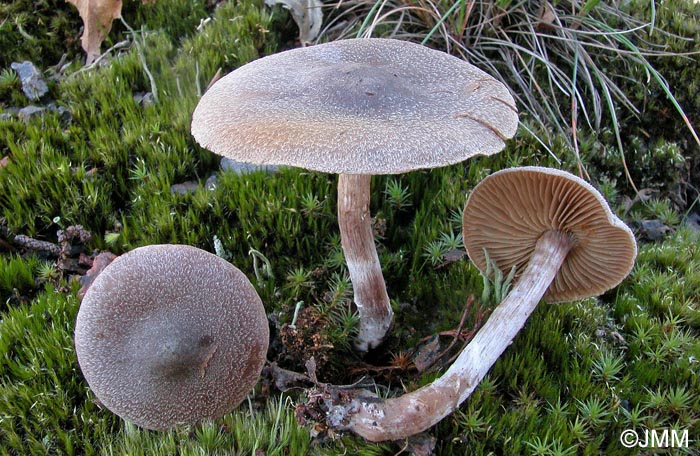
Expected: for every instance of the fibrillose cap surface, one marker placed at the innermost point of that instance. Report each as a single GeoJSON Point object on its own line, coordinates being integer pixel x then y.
{"type": "Point", "coordinates": [358, 106]}
{"type": "Point", "coordinates": [171, 334]}
{"type": "Point", "coordinates": [508, 211]}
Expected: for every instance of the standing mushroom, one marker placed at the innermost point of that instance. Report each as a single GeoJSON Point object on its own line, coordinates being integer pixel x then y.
{"type": "Point", "coordinates": [171, 334]}
{"type": "Point", "coordinates": [357, 108]}
{"type": "Point", "coordinates": [565, 243]}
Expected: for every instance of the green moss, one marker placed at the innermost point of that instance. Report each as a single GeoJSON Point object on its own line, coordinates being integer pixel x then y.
{"type": "Point", "coordinates": [43, 398]}
{"type": "Point", "coordinates": [575, 377]}
{"type": "Point", "coordinates": [48, 409]}
{"type": "Point", "coordinates": [682, 19]}
{"type": "Point", "coordinates": [270, 429]}
{"type": "Point", "coordinates": [598, 368]}
{"type": "Point", "coordinates": [40, 31]}
{"type": "Point", "coordinates": [81, 171]}
{"type": "Point", "coordinates": [17, 278]}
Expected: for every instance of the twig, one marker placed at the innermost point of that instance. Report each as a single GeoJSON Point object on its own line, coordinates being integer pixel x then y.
{"type": "Point", "coordinates": [96, 62]}
{"type": "Point", "coordinates": [59, 66]}
{"type": "Point", "coordinates": [286, 380]}
{"type": "Point", "coordinates": [198, 88]}
{"type": "Point", "coordinates": [456, 335]}
{"type": "Point", "coordinates": [465, 312]}
{"type": "Point", "coordinates": [214, 78]}
{"type": "Point", "coordinates": [179, 89]}
{"type": "Point", "coordinates": [142, 57]}
{"type": "Point", "coordinates": [480, 317]}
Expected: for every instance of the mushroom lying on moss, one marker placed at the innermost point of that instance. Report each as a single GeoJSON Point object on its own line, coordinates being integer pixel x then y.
{"type": "Point", "coordinates": [565, 243]}
{"type": "Point", "coordinates": [356, 108]}
{"type": "Point", "coordinates": [171, 334]}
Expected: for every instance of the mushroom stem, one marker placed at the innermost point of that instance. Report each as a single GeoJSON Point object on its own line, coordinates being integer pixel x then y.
{"type": "Point", "coordinates": [417, 411]}
{"type": "Point", "coordinates": [361, 256]}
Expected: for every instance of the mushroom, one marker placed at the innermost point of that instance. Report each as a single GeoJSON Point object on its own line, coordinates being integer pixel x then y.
{"type": "Point", "coordinates": [565, 243]}
{"type": "Point", "coordinates": [171, 334]}
{"type": "Point", "coordinates": [357, 107]}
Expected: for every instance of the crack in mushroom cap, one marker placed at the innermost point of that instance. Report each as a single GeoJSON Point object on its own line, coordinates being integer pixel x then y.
{"type": "Point", "coordinates": [357, 106]}
{"type": "Point", "coordinates": [171, 334]}
{"type": "Point", "coordinates": [508, 211]}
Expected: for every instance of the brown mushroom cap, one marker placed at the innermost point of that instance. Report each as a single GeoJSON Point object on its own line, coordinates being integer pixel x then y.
{"type": "Point", "coordinates": [357, 106]}
{"type": "Point", "coordinates": [509, 210]}
{"type": "Point", "coordinates": [171, 334]}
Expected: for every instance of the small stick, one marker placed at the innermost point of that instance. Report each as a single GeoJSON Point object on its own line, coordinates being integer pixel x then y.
{"type": "Point", "coordinates": [142, 57]}
{"type": "Point", "coordinates": [214, 78]}
{"type": "Point", "coordinates": [95, 62]}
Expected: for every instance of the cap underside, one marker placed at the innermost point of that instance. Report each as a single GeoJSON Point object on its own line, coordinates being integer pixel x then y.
{"type": "Point", "coordinates": [509, 210]}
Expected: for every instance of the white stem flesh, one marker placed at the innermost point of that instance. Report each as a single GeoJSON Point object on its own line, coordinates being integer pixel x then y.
{"type": "Point", "coordinates": [417, 411]}
{"type": "Point", "coordinates": [361, 257]}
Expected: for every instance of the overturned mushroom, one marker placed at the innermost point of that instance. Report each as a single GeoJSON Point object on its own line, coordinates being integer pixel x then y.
{"type": "Point", "coordinates": [565, 243]}
{"type": "Point", "coordinates": [357, 107]}
{"type": "Point", "coordinates": [171, 334]}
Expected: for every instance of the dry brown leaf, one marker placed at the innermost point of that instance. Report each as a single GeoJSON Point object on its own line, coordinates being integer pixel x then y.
{"type": "Point", "coordinates": [547, 17]}
{"type": "Point", "coordinates": [97, 18]}
{"type": "Point", "coordinates": [427, 354]}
